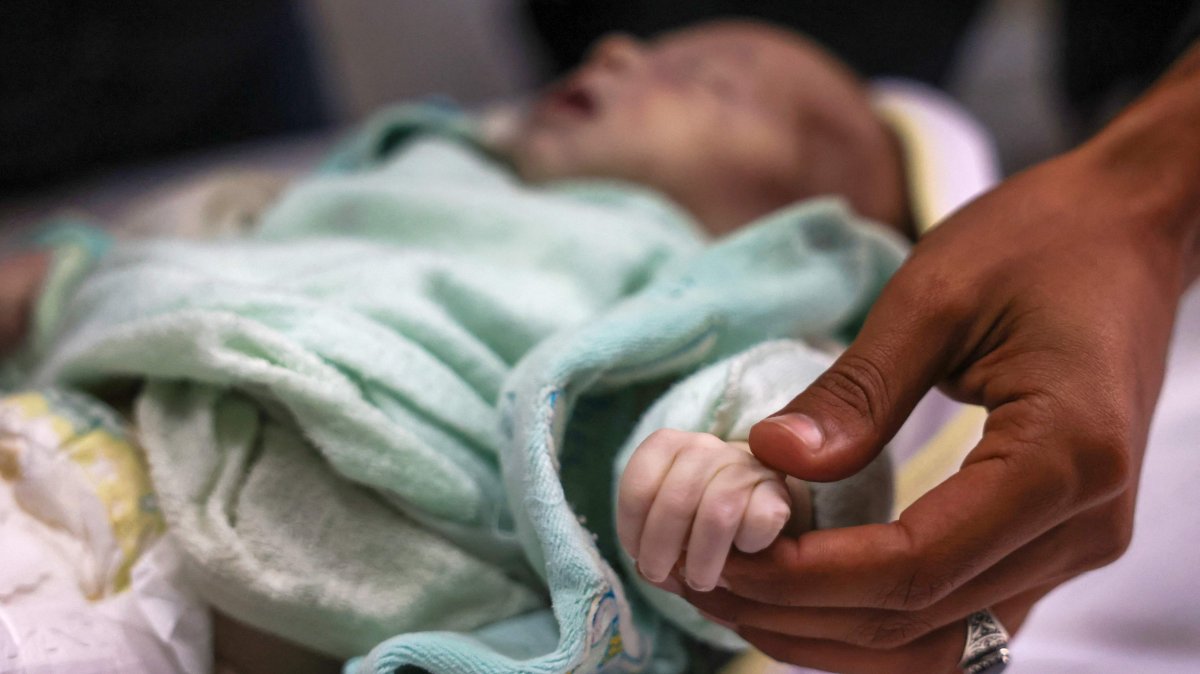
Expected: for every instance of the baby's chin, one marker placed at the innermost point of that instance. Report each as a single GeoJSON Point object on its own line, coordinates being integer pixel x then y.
{"type": "Point", "coordinates": [544, 154]}
{"type": "Point", "coordinates": [541, 156]}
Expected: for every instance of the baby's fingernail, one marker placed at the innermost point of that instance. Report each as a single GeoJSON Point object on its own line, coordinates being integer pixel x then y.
{"type": "Point", "coordinates": [651, 577]}
{"type": "Point", "coordinates": [700, 587]}
{"type": "Point", "coordinates": [803, 427]}
{"type": "Point", "coordinates": [722, 583]}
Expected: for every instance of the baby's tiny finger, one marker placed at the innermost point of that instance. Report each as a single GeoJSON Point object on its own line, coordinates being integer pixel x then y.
{"type": "Point", "coordinates": [766, 514]}
{"type": "Point", "coordinates": [640, 482]}
{"type": "Point", "coordinates": [670, 518]}
{"type": "Point", "coordinates": [717, 519]}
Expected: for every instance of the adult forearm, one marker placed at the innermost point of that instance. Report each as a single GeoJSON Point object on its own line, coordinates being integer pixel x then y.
{"type": "Point", "coordinates": [1150, 154]}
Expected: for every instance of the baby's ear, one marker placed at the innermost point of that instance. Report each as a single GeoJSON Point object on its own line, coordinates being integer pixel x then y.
{"type": "Point", "coordinates": [802, 507]}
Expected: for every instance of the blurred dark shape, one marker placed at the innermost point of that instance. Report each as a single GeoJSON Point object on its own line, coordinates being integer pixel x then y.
{"type": "Point", "coordinates": [85, 84]}
{"type": "Point", "coordinates": [1109, 45]}
{"type": "Point", "coordinates": [908, 38]}
{"type": "Point", "coordinates": [1117, 47]}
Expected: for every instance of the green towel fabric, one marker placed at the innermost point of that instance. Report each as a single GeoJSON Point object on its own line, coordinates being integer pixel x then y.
{"type": "Point", "coordinates": [355, 419]}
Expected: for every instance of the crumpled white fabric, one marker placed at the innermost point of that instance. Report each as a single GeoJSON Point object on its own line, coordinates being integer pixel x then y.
{"type": "Point", "coordinates": [157, 626]}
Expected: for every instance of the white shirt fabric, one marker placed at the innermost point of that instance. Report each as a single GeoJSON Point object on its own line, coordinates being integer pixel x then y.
{"type": "Point", "coordinates": [1142, 613]}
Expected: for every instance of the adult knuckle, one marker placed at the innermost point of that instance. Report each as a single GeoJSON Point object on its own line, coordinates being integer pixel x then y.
{"type": "Point", "coordinates": [1042, 480]}
{"type": "Point", "coordinates": [923, 592]}
{"type": "Point", "coordinates": [1105, 465]}
{"type": "Point", "coordinates": [1104, 551]}
{"type": "Point", "coordinates": [910, 287]}
{"type": "Point", "coordinates": [1082, 468]}
{"type": "Point", "coordinates": [905, 594]}
{"type": "Point", "coordinates": [903, 586]}
{"type": "Point", "coordinates": [857, 383]}
{"type": "Point", "coordinates": [1093, 454]}
{"type": "Point", "coordinates": [937, 297]}
{"type": "Point", "coordinates": [1110, 534]}
{"type": "Point", "coordinates": [919, 589]}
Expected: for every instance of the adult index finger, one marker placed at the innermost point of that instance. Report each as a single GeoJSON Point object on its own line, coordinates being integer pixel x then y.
{"type": "Point", "coordinates": [1005, 495]}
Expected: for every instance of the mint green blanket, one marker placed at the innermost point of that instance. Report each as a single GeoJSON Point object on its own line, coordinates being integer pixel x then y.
{"type": "Point", "coordinates": [359, 422]}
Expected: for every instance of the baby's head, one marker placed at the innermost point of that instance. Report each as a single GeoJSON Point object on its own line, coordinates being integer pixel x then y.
{"type": "Point", "coordinates": [731, 119]}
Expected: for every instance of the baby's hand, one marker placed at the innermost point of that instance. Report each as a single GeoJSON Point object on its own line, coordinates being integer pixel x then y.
{"type": "Point", "coordinates": [696, 492]}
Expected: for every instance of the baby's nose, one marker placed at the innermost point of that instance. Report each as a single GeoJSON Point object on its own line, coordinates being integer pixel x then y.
{"type": "Point", "coordinates": [618, 51]}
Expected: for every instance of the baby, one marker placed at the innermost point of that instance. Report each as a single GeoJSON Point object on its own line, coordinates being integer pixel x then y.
{"type": "Point", "coordinates": [731, 121]}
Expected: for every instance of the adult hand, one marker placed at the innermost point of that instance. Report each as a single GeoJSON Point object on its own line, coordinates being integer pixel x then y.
{"type": "Point", "coordinates": [1049, 301]}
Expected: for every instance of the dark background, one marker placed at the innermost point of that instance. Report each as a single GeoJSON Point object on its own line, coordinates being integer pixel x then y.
{"type": "Point", "coordinates": [85, 84]}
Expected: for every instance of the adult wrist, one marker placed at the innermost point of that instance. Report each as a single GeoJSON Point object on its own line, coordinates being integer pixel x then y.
{"type": "Point", "coordinates": [1150, 156]}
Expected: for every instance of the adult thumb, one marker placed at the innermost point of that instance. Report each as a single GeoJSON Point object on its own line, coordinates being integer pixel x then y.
{"type": "Point", "coordinates": [844, 418]}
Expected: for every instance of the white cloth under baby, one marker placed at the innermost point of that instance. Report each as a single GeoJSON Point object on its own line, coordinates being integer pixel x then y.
{"type": "Point", "coordinates": [47, 625]}
{"type": "Point", "coordinates": [87, 582]}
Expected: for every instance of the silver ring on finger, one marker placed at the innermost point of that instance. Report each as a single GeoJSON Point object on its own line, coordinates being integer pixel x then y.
{"type": "Point", "coordinates": [986, 649]}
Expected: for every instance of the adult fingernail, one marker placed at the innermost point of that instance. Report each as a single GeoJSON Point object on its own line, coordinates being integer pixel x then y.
{"type": "Point", "coordinates": [803, 427]}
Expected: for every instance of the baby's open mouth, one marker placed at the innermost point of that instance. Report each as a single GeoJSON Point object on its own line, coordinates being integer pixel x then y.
{"type": "Point", "coordinates": [571, 100]}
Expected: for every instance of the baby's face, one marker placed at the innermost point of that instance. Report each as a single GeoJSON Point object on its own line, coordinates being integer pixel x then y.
{"type": "Point", "coordinates": [715, 102]}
